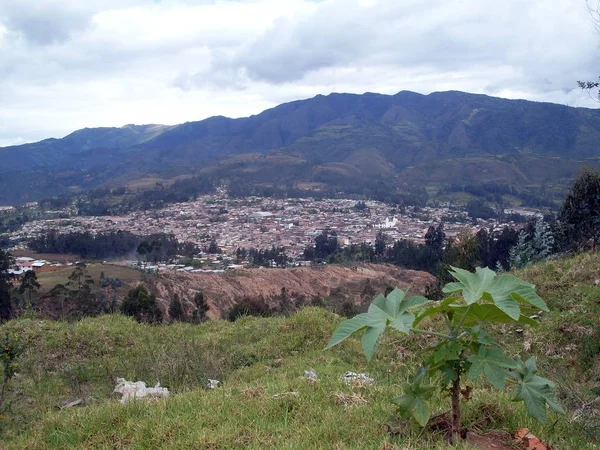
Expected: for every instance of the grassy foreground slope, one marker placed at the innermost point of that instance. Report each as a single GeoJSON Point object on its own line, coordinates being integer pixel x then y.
{"type": "Point", "coordinates": [264, 400]}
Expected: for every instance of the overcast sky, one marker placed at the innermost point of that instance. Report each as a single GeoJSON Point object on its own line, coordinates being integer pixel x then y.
{"type": "Point", "coordinates": [69, 64]}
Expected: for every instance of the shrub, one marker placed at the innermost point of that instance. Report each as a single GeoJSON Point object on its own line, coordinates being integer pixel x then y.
{"type": "Point", "coordinates": [141, 305]}
{"type": "Point", "coordinates": [466, 349]}
{"type": "Point", "coordinates": [249, 307]}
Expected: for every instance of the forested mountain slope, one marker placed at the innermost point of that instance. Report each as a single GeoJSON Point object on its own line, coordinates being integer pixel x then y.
{"type": "Point", "coordinates": [408, 139]}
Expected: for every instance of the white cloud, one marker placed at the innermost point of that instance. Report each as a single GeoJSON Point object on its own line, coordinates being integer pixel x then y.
{"type": "Point", "coordinates": [69, 64]}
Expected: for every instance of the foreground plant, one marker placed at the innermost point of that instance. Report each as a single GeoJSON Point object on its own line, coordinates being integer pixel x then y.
{"type": "Point", "coordinates": [10, 349]}
{"type": "Point", "coordinates": [466, 350]}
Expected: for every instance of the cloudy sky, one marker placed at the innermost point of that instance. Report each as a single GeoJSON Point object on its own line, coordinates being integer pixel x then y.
{"type": "Point", "coordinates": [69, 64]}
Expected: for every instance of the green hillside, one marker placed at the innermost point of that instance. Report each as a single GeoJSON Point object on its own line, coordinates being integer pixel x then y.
{"type": "Point", "coordinates": [265, 401]}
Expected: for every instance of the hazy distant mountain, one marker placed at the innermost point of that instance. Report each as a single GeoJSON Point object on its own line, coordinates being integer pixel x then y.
{"type": "Point", "coordinates": [52, 153]}
{"type": "Point", "coordinates": [409, 139]}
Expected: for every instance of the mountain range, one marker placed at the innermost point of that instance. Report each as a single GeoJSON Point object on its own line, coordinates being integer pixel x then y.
{"type": "Point", "coordinates": [405, 142]}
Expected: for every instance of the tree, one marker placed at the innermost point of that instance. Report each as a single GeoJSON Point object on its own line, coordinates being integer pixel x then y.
{"type": "Point", "coordinates": [213, 248]}
{"type": "Point", "coordinates": [461, 252]}
{"type": "Point", "coordinates": [533, 246]}
{"type": "Point", "coordinates": [325, 244]}
{"type": "Point", "coordinates": [140, 304]}
{"type": "Point", "coordinates": [477, 209]}
{"type": "Point", "coordinates": [380, 243]}
{"type": "Point", "coordinates": [249, 306]}
{"type": "Point", "coordinates": [580, 213]}
{"type": "Point", "coordinates": [360, 205]}
{"type": "Point", "coordinates": [285, 303]}
{"type": "Point", "coordinates": [176, 312]}
{"type": "Point", "coordinates": [60, 293]}
{"type": "Point", "coordinates": [80, 276]}
{"type": "Point", "coordinates": [466, 350]}
{"type": "Point", "coordinates": [201, 308]}
{"type": "Point", "coordinates": [29, 283]}
{"type": "Point", "coordinates": [520, 255]}
{"type": "Point", "coordinates": [542, 241]}
{"type": "Point", "coordinates": [6, 307]}
{"type": "Point", "coordinates": [435, 237]}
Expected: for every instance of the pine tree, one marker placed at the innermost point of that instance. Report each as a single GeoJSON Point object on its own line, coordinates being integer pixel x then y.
{"type": "Point", "coordinates": [543, 241]}
{"type": "Point", "coordinates": [521, 254]}
{"type": "Point", "coordinates": [534, 248]}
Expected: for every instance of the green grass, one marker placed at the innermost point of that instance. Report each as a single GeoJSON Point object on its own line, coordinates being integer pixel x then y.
{"type": "Point", "coordinates": [127, 274]}
{"type": "Point", "coordinates": [264, 401]}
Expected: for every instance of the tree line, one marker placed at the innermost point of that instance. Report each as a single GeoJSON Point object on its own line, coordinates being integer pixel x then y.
{"type": "Point", "coordinates": [113, 244]}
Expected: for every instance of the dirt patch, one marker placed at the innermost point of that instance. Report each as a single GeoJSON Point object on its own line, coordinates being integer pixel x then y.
{"type": "Point", "coordinates": [494, 440]}
{"type": "Point", "coordinates": [301, 284]}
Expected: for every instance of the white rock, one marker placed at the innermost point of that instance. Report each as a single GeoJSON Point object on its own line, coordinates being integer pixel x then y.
{"type": "Point", "coordinates": [130, 390]}
{"type": "Point", "coordinates": [311, 375]}
{"type": "Point", "coordinates": [212, 384]}
{"type": "Point", "coordinates": [356, 378]}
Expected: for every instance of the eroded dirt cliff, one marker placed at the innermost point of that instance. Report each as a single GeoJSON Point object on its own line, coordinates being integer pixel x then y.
{"type": "Point", "coordinates": [303, 285]}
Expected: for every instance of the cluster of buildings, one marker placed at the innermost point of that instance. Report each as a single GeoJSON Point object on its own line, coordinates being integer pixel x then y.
{"type": "Point", "coordinates": [24, 264]}
{"type": "Point", "coordinates": [256, 222]}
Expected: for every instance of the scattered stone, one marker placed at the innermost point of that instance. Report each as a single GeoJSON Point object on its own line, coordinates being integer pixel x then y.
{"type": "Point", "coordinates": [311, 375]}
{"type": "Point", "coordinates": [131, 390]}
{"type": "Point", "coordinates": [357, 379]}
{"type": "Point", "coordinates": [212, 384]}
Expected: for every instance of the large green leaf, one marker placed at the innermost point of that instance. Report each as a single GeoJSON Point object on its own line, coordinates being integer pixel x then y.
{"type": "Point", "coordinates": [534, 391]}
{"type": "Point", "coordinates": [383, 312]}
{"type": "Point", "coordinates": [415, 400]}
{"type": "Point", "coordinates": [472, 285]}
{"type": "Point", "coordinates": [438, 307]}
{"type": "Point", "coordinates": [482, 336]}
{"type": "Point", "coordinates": [486, 312]}
{"type": "Point", "coordinates": [504, 291]}
{"type": "Point", "coordinates": [447, 351]}
{"type": "Point", "coordinates": [493, 363]}
{"type": "Point", "coordinates": [348, 327]}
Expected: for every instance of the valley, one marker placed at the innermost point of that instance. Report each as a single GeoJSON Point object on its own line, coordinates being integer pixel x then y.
{"type": "Point", "coordinates": [261, 223]}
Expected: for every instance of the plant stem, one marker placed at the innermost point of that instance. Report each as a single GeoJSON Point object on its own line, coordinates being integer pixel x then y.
{"type": "Point", "coordinates": [455, 391]}
{"type": "Point", "coordinates": [432, 333]}
{"type": "Point", "coordinates": [464, 317]}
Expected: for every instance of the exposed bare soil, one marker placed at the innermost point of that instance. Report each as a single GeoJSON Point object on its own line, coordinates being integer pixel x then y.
{"type": "Point", "coordinates": [223, 291]}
